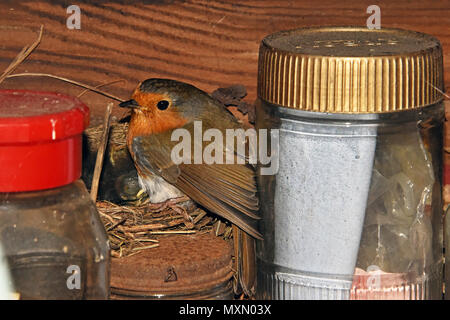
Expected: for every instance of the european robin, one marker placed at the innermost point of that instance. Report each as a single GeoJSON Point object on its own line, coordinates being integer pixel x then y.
{"type": "Point", "coordinates": [160, 106]}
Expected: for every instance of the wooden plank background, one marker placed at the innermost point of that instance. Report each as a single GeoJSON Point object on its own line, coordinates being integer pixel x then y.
{"type": "Point", "coordinates": [207, 43]}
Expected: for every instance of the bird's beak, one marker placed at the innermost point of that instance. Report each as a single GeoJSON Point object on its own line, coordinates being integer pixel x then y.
{"type": "Point", "coordinates": [129, 104]}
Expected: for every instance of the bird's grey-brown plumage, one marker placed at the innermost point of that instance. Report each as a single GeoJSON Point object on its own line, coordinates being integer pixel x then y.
{"type": "Point", "coordinates": [228, 190]}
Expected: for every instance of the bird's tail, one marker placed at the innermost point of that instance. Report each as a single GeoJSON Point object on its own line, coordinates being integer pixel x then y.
{"type": "Point", "coordinates": [245, 262]}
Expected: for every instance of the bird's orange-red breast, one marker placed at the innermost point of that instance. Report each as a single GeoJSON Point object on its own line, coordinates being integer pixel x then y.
{"type": "Point", "coordinates": [160, 106]}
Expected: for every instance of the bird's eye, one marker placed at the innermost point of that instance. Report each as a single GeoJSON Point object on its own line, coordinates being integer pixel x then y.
{"type": "Point", "coordinates": [163, 105]}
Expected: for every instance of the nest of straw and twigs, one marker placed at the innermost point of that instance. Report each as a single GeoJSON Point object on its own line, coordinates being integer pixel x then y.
{"type": "Point", "coordinates": [134, 229]}
{"type": "Point", "coordinates": [140, 225]}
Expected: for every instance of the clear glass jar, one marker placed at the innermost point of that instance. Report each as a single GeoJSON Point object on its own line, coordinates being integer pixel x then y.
{"type": "Point", "coordinates": [54, 240]}
{"type": "Point", "coordinates": [400, 255]}
{"type": "Point", "coordinates": [354, 210]}
{"type": "Point", "coordinates": [389, 168]}
{"type": "Point", "coordinates": [447, 253]}
{"type": "Point", "coordinates": [52, 236]}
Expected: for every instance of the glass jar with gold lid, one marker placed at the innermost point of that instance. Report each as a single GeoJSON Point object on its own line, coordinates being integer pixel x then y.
{"type": "Point", "coordinates": [354, 209]}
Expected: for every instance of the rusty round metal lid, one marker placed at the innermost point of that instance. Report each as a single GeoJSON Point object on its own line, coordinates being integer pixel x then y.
{"type": "Point", "coordinates": [181, 265]}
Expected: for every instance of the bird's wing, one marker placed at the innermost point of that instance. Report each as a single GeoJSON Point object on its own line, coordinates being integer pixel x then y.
{"type": "Point", "coordinates": [228, 190]}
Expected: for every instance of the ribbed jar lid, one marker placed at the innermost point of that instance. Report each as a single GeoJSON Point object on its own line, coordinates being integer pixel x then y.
{"type": "Point", "coordinates": [350, 70]}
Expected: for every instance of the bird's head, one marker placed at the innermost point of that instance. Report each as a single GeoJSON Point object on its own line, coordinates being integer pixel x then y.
{"type": "Point", "coordinates": [158, 105]}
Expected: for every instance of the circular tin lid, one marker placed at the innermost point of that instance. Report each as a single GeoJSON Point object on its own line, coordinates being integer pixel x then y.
{"type": "Point", "coordinates": [350, 70]}
{"type": "Point", "coordinates": [181, 266]}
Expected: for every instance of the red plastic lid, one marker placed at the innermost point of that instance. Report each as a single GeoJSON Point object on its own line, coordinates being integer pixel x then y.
{"type": "Point", "coordinates": [40, 139]}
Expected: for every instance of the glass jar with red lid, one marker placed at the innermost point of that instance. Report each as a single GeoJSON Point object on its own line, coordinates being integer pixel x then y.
{"type": "Point", "coordinates": [53, 239]}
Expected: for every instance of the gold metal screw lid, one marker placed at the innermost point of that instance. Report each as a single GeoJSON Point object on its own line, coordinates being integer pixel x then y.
{"type": "Point", "coordinates": [350, 70]}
